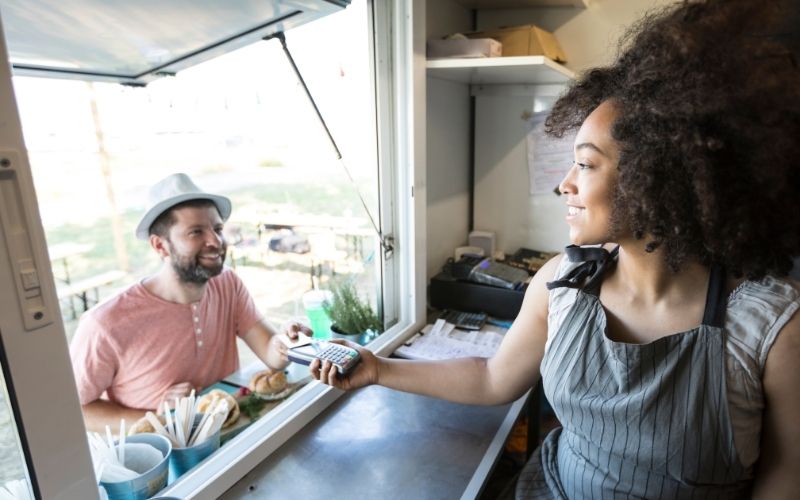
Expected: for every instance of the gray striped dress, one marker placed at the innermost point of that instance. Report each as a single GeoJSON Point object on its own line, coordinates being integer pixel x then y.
{"type": "Point", "coordinates": [638, 420]}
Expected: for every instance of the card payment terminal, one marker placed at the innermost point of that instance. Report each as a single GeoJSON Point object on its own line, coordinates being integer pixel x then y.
{"type": "Point", "coordinates": [343, 358]}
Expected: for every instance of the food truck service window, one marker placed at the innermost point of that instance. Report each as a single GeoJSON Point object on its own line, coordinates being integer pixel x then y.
{"type": "Point", "coordinates": [311, 164]}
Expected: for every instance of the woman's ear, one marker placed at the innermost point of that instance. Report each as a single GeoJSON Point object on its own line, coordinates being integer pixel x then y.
{"type": "Point", "coordinates": [159, 244]}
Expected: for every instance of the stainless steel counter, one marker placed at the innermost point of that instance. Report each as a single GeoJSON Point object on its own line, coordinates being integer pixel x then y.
{"type": "Point", "coordinates": [380, 443]}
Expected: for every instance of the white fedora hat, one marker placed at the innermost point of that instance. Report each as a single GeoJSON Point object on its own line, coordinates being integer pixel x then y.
{"type": "Point", "coordinates": [171, 191]}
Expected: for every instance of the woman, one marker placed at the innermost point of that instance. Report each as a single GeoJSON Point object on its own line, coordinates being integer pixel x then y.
{"type": "Point", "coordinates": [671, 355]}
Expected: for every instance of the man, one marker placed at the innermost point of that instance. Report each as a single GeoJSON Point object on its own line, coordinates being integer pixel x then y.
{"type": "Point", "coordinates": [176, 330]}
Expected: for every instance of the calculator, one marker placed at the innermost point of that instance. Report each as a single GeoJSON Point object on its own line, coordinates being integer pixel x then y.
{"type": "Point", "coordinates": [465, 320]}
{"type": "Point", "coordinates": [343, 358]}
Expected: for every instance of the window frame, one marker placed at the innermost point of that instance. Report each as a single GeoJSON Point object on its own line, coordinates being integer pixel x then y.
{"type": "Point", "coordinates": [38, 364]}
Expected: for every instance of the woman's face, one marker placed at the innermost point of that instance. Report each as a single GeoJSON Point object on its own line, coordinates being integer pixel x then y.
{"type": "Point", "coordinates": [589, 184]}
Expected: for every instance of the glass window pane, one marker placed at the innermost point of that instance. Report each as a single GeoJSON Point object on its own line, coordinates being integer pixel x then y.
{"type": "Point", "coordinates": [14, 481]}
{"type": "Point", "coordinates": [241, 126]}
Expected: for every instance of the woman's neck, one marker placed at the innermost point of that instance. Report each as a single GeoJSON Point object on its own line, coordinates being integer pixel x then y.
{"type": "Point", "coordinates": [647, 276]}
{"type": "Point", "coordinates": [644, 300]}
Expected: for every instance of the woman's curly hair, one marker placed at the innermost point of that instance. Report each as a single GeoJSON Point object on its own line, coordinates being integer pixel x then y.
{"type": "Point", "coordinates": [708, 100]}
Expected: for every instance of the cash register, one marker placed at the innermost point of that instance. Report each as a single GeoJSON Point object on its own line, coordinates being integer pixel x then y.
{"type": "Point", "coordinates": [478, 284]}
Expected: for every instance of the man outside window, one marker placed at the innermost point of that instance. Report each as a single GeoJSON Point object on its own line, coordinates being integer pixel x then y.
{"type": "Point", "coordinates": [176, 330]}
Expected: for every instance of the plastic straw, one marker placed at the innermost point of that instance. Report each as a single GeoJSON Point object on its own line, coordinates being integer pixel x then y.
{"type": "Point", "coordinates": [122, 442]}
{"type": "Point", "coordinates": [179, 424]}
{"type": "Point", "coordinates": [109, 438]}
{"type": "Point", "coordinates": [168, 417]}
{"type": "Point", "coordinates": [185, 411]}
{"type": "Point", "coordinates": [206, 415]}
{"type": "Point", "coordinates": [192, 412]}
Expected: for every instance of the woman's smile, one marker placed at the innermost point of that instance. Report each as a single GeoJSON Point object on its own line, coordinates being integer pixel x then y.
{"type": "Point", "coordinates": [574, 211]}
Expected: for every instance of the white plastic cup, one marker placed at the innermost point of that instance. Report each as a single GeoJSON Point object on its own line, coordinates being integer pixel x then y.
{"type": "Point", "coordinates": [313, 304]}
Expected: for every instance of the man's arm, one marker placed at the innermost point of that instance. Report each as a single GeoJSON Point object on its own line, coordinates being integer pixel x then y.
{"type": "Point", "coordinates": [777, 475]}
{"type": "Point", "coordinates": [101, 413]}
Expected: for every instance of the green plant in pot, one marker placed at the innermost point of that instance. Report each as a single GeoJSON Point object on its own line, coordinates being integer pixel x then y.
{"type": "Point", "coordinates": [351, 317]}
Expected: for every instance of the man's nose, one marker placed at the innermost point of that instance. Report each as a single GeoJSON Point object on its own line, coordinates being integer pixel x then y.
{"type": "Point", "coordinates": [214, 239]}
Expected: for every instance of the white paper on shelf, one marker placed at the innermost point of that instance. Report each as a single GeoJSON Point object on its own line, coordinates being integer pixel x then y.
{"type": "Point", "coordinates": [448, 342]}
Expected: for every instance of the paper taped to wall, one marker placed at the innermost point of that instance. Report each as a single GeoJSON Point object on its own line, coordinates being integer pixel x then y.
{"type": "Point", "coordinates": [549, 158]}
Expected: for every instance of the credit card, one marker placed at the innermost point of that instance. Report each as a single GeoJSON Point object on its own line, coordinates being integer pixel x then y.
{"type": "Point", "coordinates": [302, 339]}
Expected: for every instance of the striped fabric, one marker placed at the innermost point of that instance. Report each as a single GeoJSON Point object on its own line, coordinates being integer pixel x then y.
{"type": "Point", "coordinates": [639, 421]}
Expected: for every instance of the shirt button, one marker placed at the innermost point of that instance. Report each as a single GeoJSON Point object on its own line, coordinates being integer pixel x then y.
{"type": "Point", "coordinates": [198, 330]}
{"type": "Point", "coordinates": [199, 343]}
{"type": "Point", "coordinates": [196, 319]}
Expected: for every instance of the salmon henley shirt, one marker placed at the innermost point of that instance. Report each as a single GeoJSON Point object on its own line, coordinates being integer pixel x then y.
{"type": "Point", "coordinates": [136, 345]}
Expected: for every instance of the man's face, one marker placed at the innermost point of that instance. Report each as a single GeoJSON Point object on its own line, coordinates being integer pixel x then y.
{"type": "Point", "coordinates": [196, 246]}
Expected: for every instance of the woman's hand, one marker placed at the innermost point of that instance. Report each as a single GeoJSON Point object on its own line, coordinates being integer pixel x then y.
{"type": "Point", "coordinates": [365, 373]}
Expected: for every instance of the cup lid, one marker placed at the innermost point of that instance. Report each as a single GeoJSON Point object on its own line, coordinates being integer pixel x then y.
{"type": "Point", "coordinates": [315, 298]}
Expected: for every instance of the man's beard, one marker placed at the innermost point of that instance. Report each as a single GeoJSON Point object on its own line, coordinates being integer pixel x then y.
{"type": "Point", "coordinates": [189, 269]}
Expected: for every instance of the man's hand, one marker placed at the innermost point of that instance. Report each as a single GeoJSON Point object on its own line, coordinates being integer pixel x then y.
{"type": "Point", "coordinates": [176, 391]}
{"type": "Point", "coordinates": [270, 346]}
{"type": "Point", "coordinates": [278, 351]}
{"type": "Point", "coordinates": [293, 329]}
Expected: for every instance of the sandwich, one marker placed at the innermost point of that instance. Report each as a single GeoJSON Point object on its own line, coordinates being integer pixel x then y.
{"type": "Point", "coordinates": [267, 382]}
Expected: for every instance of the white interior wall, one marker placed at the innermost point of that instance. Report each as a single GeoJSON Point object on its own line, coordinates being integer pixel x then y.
{"type": "Point", "coordinates": [448, 170]}
{"type": "Point", "coordinates": [502, 201]}
{"type": "Point", "coordinates": [445, 17]}
{"type": "Point", "coordinates": [448, 137]}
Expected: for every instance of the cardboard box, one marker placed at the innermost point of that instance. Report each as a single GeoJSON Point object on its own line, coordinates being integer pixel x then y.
{"type": "Point", "coordinates": [527, 40]}
{"type": "Point", "coordinates": [478, 47]}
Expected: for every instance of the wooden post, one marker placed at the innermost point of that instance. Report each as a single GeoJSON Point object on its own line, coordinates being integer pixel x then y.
{"type": "Point", "coordinates": [105, 168]}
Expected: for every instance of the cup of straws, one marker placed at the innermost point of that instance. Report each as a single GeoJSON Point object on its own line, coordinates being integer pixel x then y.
{"type": "Point", "coordinates": [133, 467]}
{"type": "Point", "coordinates": [194, 434]}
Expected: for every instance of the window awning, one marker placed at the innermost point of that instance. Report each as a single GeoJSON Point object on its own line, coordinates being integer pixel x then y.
{"type": "Point", "coordinates": [137, 42]}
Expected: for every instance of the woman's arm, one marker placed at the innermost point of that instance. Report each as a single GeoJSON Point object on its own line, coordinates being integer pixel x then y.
{"type": "Point", "coordinates": [778, 473]}
{"type": "Point", "coordinates": [500, 379]}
